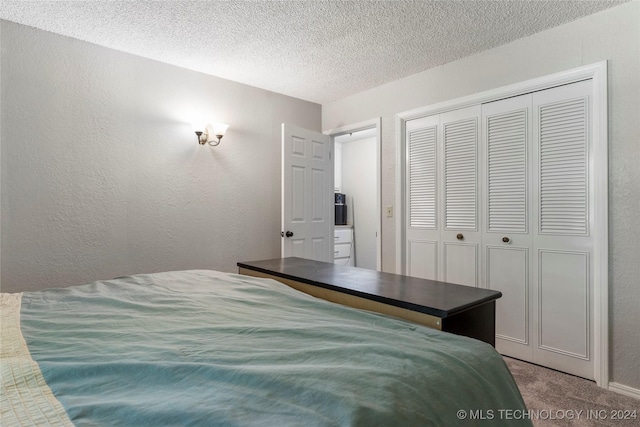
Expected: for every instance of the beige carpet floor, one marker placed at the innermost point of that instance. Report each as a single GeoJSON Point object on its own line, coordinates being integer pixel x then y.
{"type": "Point", "coordinates": [557, 399]}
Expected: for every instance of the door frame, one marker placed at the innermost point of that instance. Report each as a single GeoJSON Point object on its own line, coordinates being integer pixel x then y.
{"type": "Point", "coordinates": [376, 124]}
{"type": "Point", "coordinates": [597, 73]}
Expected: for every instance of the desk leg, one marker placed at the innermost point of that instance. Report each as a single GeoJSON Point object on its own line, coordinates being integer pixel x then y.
{"type": "Point", "coordinates": [478, 322]}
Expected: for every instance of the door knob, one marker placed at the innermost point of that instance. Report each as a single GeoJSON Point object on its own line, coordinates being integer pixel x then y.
{"type": "Point", "coordinates": [459, 236]}
{"type": "Point", "coordinates": [506, 239]}
{"type": "Point", "coordinates": [287, 234]}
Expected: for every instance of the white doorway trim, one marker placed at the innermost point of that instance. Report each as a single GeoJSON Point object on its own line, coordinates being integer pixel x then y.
{"type": "Point", "coordinates": [365, 125]}
{"type": "Point", "coordinates": [597, 73]}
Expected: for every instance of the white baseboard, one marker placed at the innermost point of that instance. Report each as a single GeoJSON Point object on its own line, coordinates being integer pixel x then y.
{"type": "Point", "coordinates": [625, 389]}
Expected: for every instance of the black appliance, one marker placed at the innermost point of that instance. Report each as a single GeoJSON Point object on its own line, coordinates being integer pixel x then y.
{"type": "Point", "coordinates": [341, 209]}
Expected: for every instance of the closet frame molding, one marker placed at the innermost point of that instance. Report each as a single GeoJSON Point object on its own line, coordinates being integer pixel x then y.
{"type": "Point", "coordinates": [597, 74]}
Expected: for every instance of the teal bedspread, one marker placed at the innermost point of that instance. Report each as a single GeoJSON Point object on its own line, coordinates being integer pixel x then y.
{"type": "Point", "coordinates": [206, 348]}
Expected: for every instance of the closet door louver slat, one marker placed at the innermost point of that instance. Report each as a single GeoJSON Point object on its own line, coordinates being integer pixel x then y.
{"type": "Point", "coordinates": [422, 178]}
{"type": "Point", "coordinates": [460, 174]}
{"type": "Point", "coordinates": [563, 168]}
{"type": "Point", "coordinates": [507, 172]}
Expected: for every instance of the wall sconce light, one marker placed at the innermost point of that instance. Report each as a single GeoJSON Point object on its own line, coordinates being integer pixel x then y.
{"type": "Point", "coordinates": [206, 136]}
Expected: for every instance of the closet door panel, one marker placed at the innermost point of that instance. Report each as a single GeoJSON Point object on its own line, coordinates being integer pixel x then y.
{"type": "Point", "coordinates": [507, 271]}
{"type": "Point", "coordinates": [423, 256]}
{"type": "Point", "coordinates": [461, 263]}
{"type": "Point", "coordinates": [506, 198]}
{"type": "Point", "coordinates": [563, 167]}
{"type": "Point", "coordinates": [460, 234]}
{"type": "Point", "coordinates": [423, 231]}
{"type": "Point", "coordinates": [564, 302]}
{"type": "Point", "coordinates": [562, 237]}
{"type": "Point", "coordinates": [563, 143]}
{"type": "Point", "coordinates": [506, 183]}
{"type": "Point", "coordinates": [460, 140]}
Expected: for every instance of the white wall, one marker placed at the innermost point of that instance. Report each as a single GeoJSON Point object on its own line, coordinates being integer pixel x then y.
{"type": "Point", "coordinates": [102, 175]}
{"type": "Point", "coordinates": [359, 183]}
{"type": "Point", "coordinates": [613, 35]}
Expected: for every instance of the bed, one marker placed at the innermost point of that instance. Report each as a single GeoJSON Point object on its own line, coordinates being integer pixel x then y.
{"type": "Point", "coordinates": [208, 348]}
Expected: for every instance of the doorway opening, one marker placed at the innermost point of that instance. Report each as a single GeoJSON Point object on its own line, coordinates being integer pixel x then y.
{"type": "Point", "coordinates": [357, 186]}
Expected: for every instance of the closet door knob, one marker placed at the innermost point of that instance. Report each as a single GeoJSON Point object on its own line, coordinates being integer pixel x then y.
{"type": "Point", "coordinates": [506, 239]}
{"type": "Point", "coordinates": [459, 236]}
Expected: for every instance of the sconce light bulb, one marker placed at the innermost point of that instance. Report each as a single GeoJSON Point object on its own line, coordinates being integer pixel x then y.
{"type": "Point", "coordinates": [219, 129]}
{"type": "Point", "coordinates": [199, 125]}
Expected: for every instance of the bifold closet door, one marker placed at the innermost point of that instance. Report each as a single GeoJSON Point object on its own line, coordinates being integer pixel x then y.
{"type": "Point", "coordinates": [460, 234]}
{"type": "Point", "coordinates": [507, 252]}
{"type": "Point", "coordinates": [536, 236]}
{"type": "Point", "coordinates": [500, 195]}
{"type": "Point", "coordinates": [442, 232]}
{"type": "Point", "coordinates": [563, 239]}
{"type": "Point", "coordinates": [422, 225]}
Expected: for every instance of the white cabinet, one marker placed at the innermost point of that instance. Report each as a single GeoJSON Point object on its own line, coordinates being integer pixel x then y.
{"type": "Point", "coordinates": [500, 196]}
{"type": "Point", "coordinates": [343, 252]}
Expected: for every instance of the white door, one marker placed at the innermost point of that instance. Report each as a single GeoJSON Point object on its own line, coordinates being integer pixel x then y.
{"type": "Point", "coordinates": [460, 232]}
{"type": "Point", "coordinates": [307, 194]}
{"type": "Point", "coordinates": [534, 228]}
{"type": "Point", "coordinates": [507, 203]}
{"type": "Point", "coordinates": [538, 245]}
{"type": "Point", "coordinates": [563, 239]}
{"type": "Point", "coordinates": [442, 226]}
{"type": "Point", "coordinates": [423, 229]}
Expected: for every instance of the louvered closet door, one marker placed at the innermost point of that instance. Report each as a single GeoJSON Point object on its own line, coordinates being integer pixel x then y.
{"type": "Point", "coordinates": [458, 175]}
{"type": "Point", "coordinates": [506, 195]}
{"type": "Point", "coordinates": [422, 232]}
{"type": "Point", "coordinates": [562, 240]}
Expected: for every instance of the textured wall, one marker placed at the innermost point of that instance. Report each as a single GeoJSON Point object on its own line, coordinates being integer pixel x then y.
{"type": "Point", "coordinates": [612, 35]}
{"type": "Point", "coordinates": [102, 175]}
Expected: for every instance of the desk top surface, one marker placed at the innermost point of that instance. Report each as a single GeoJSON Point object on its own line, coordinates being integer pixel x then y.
{"type": "Point", "coordinates": [427, 296]}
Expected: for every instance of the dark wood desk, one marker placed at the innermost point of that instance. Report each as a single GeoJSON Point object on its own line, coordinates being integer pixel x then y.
{"type": "Point", "coordinates": [462, 310]}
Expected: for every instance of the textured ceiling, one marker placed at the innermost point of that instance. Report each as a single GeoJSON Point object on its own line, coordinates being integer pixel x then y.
{"type": "Point", "coordinates": [314, 50]}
